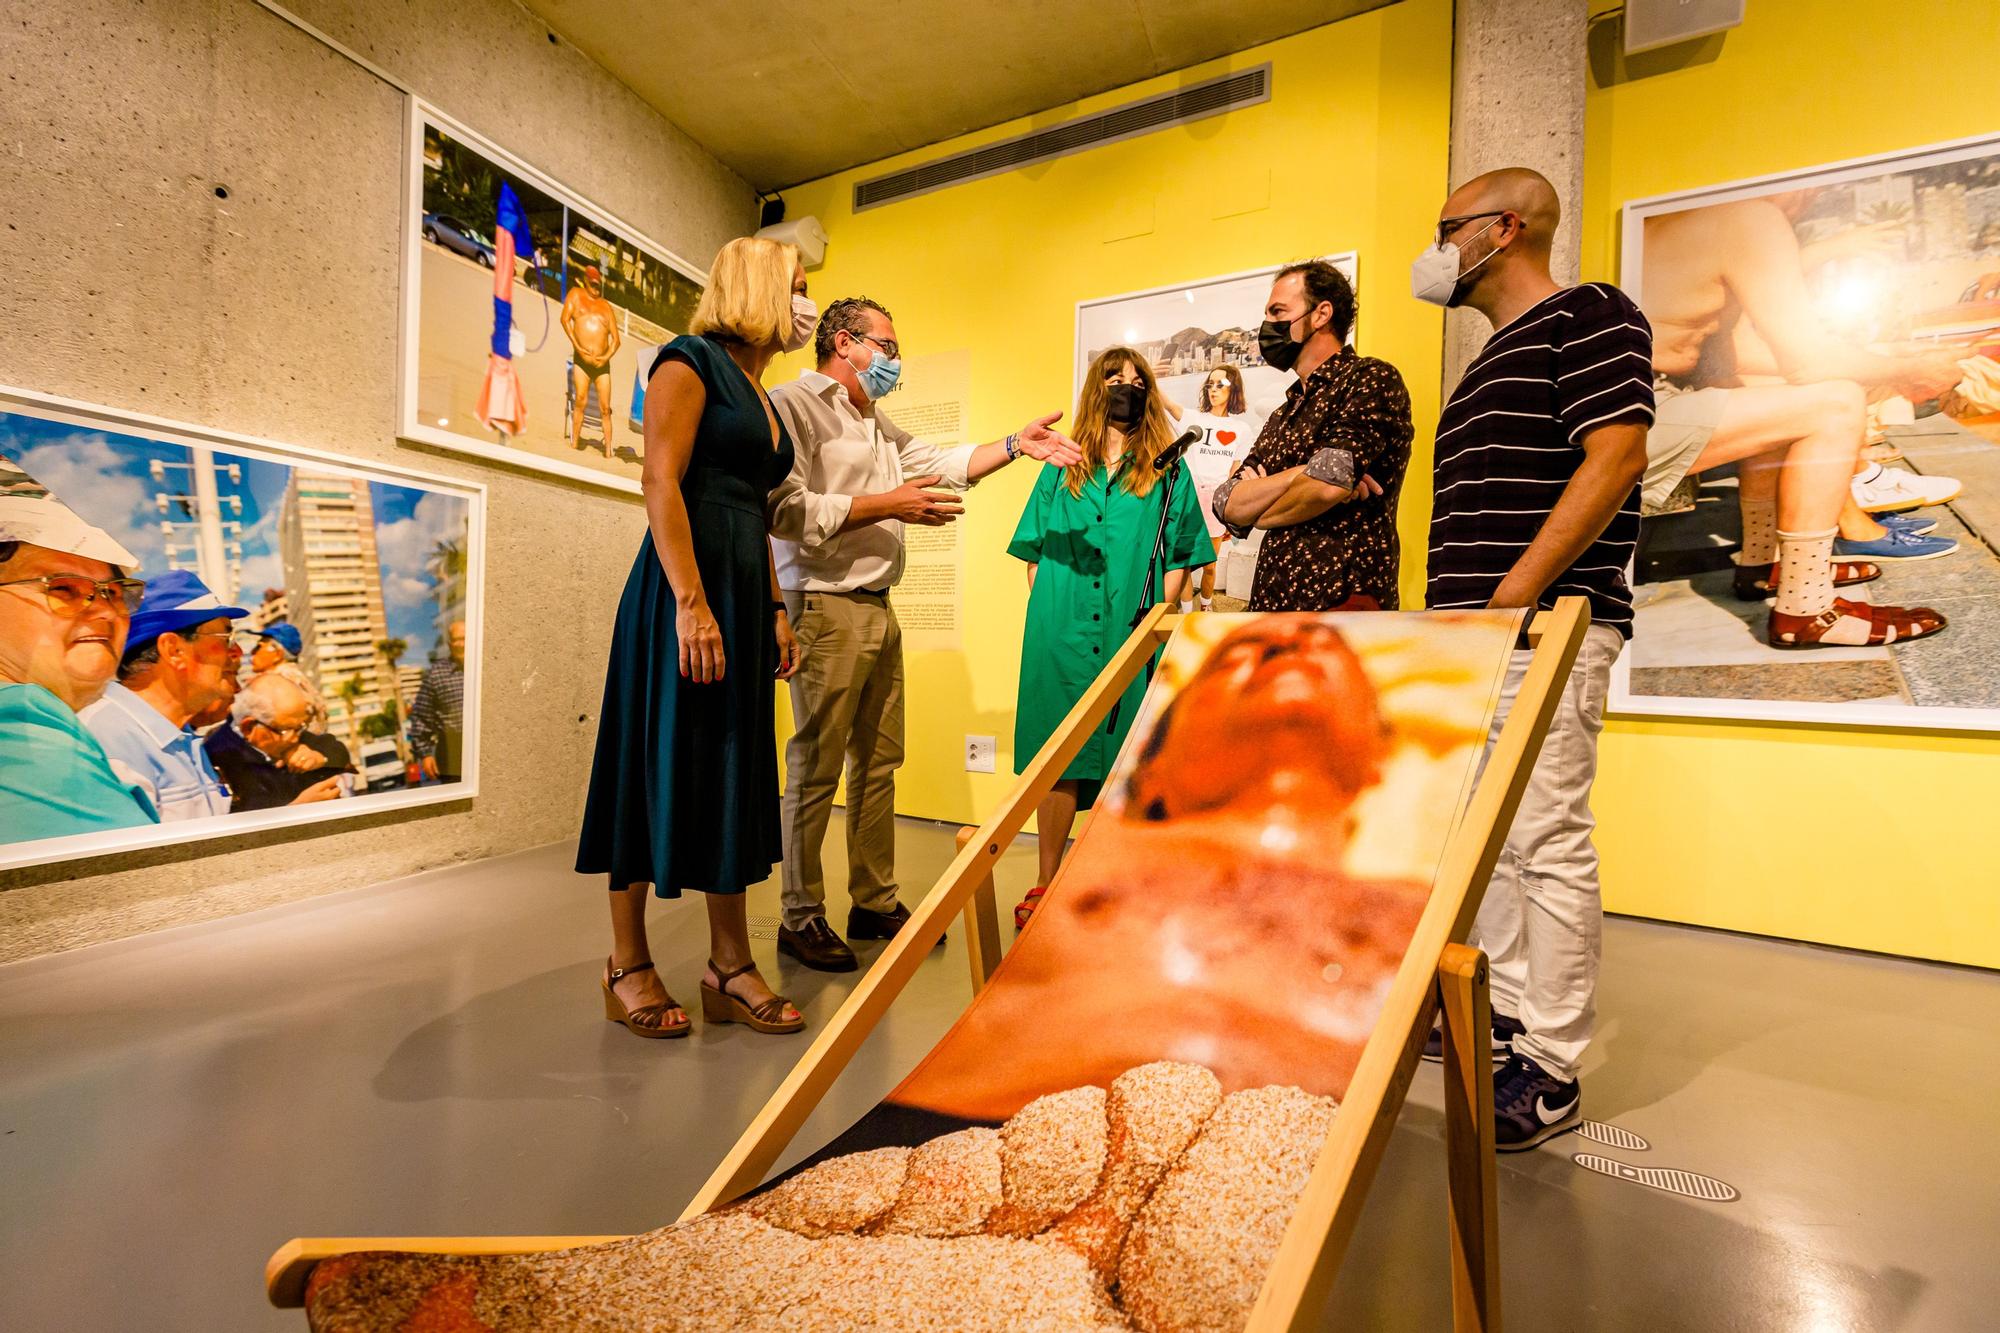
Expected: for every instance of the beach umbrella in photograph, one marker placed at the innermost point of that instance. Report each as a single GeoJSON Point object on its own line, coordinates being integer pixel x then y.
{"type": "Point", "coordinates": [501, 405]}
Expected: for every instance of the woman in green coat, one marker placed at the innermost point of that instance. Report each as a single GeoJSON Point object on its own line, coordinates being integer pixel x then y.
{"type": "Point", "coordinates": [1086, 535]}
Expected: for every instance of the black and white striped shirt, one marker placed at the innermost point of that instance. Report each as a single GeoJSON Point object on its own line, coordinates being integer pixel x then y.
{"type": "Point", "coordinates": [1510, 439]}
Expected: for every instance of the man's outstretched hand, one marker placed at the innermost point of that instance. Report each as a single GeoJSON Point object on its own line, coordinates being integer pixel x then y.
{"type": "Point", "coordinates": [1039, 440]}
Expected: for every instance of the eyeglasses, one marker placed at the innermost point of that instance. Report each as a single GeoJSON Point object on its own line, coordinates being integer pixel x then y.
{"type": "Point", "coordinates": [72, 594]}
{"type": "Point", "coordinates": [891, 349]}
{"type": "Point", "coordinates": [228, 639]}
{"type": "Point", "coordinates": [282, 733]}
{"type": "Point", "coordinates": [1446, 226]}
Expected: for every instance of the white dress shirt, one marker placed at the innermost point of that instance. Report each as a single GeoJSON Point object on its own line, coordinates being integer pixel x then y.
{"type": "Point", "coordinates": [840, 453]}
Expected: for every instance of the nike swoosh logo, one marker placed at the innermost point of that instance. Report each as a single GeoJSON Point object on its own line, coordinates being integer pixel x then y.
{"type": "Point", "coordinates": [1546, 1115]}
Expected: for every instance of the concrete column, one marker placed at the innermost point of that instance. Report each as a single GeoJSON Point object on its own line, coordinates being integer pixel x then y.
{"type": "Point", "coordinates": [1518, 69]}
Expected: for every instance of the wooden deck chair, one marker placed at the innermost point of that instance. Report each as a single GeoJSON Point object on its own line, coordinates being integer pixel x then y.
{"type": "Point", "coordinates": [1437, 974]}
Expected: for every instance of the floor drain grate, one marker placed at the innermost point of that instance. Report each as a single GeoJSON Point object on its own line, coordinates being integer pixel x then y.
{"type": "Point", "coordinates": [764, 927]}
{"type": "Point", "coordinates": [1611, 1136]}
{"type": "Point", "coordinates": [1684, 1183]}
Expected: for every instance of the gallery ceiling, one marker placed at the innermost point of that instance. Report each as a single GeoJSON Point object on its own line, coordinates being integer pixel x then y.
{"type": "Point", "coordinates": [784, 91]}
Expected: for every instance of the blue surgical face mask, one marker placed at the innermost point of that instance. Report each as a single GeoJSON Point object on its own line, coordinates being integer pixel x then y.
{"type": "Point", "coordinates": [880, 376]}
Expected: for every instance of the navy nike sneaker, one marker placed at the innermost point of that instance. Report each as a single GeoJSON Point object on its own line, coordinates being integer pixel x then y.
{"type": "Point", "coordinates": [1531, 1105]}
{"type": "Point", "coordinates": [1505, 1029]}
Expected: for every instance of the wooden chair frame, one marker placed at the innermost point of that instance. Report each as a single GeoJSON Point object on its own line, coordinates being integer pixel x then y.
{"type": "Point", "coordinates": [1439, 974]}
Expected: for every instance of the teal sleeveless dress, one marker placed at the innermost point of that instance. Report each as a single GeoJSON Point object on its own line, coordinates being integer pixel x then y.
{"type": "Point", "coordinates": [684, 785]}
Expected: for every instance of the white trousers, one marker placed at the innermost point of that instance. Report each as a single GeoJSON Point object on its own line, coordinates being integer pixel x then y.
{"type": "Point", "coordinates": [1542, 921]}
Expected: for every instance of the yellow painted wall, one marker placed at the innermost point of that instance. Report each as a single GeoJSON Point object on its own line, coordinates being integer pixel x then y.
{"type": "Point", "coordinates": [1350, 153]}
{"type": "Point", "coordinates": [1874, 840]}
{"type": "Point", "coordinates": [1870, 839]}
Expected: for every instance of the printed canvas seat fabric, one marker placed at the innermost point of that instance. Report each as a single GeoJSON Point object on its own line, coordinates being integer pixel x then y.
{"type": "Point", "coordinates": [684, 785]}
{"type": "Point", "coordinates": [1118, 1130]}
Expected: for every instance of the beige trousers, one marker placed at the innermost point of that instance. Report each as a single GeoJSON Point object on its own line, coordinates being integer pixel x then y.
{"type": "Point", "coordinates": [1541, 922]}
{"type": "Point", "coordinates": [847, 708]}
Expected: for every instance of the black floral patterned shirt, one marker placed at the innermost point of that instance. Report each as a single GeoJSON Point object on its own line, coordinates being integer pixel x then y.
{"type": "Point", "coordinates": [1358, 405]}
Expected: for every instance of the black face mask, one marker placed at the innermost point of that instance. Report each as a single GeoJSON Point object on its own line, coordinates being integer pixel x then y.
{"type": "Point", "coordinates": [1276, 346]}
{"type": "Point", "coordinates": [1124, 405]}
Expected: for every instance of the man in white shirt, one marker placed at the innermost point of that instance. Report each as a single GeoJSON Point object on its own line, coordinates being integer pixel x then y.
{"type": "Point", "coordinates": [857, 479]}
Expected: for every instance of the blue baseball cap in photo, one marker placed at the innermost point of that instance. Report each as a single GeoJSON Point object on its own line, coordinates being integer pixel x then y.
{"type": "Point", "coordinates": [285, 636]}
{"type": "Point", "coordinates": [175, 601]}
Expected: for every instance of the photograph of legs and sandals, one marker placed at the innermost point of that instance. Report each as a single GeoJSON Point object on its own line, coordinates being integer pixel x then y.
{"type": "Point", "coordinates": [1823, 492]}
{"type": "Point", "coordinates": [530, 321]}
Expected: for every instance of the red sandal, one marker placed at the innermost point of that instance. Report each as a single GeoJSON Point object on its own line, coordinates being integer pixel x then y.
{"type": "Point", "coordinates": [1026, 907]}
{"type": "Point", "coordinates": [1754, 583]}
{"type": "Point", "coordinates": [1848, 624]}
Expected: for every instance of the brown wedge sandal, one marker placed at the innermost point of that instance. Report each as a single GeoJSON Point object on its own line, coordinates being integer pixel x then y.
{"type": "Point", "coordinates": [719, 1006]}
{"type": "Point", "coordinates": [649, 1020]}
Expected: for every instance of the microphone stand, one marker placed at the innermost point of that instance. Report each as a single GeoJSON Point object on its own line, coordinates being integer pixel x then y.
{"type": "Point", "coordinates": [1156, 562]}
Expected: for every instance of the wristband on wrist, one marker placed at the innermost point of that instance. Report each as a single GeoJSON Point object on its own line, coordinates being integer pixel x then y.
{"type": "Point", "coordinates": [1013, 446]}
{"type": "Point", "coordinates": [777, 604]}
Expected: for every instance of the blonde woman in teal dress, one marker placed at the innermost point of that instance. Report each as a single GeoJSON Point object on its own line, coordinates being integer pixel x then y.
{"type": "Point", "coordinates": [1086, 535]}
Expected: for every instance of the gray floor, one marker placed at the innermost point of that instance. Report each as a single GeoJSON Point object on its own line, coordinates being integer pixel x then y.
{"type": "Point", "coordinates": [429, 1057]}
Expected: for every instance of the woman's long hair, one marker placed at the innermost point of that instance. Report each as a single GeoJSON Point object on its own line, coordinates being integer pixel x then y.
{"type": "Point", "coordinates": [1092, 431]}
{"type": "Point", "coordinates": [1236, 404]}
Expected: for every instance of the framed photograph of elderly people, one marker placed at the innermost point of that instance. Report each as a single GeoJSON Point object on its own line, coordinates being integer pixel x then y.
{"type": "Point", "coordinates": [1201, 338]}
{"type": "Point", "coordinates": [1821, 540]}
{"type": "Point", "coordinates": [203, 633]}
{"type": "Point", "coordinates": [529, 314]}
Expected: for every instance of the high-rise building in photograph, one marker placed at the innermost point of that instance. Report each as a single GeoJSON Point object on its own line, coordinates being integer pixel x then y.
{"type": "Point", "coordinates": [326, 536]}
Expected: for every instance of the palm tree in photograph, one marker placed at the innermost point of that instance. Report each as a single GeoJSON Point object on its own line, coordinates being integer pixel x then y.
{"type": "Point", "coordinates": [446, 562]}
{"type": "Point", "coordinates": [350, 692]}
{"type": "Point", "coordinates": [391, 652]}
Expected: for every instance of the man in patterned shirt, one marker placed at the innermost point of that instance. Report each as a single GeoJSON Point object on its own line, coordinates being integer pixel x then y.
{"type": "Point", "coordinates": [1326, 471]}
{"type": "Point", "coordinates": [437, 718]}
{"type": "Point", "coordinates": [1536, 496]}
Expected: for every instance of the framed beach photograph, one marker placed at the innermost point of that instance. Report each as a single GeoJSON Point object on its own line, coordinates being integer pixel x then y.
{"type": "Point", "coordinates": [530, 316]}
{"type": "Point", "coordinates": [1821, 540]}
{"type": "Point", "coordinates": [203, 633]}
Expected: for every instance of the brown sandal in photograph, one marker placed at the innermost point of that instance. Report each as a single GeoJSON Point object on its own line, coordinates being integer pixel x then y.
{"type": "Point", "coordinates": [649, 1020]}
{"type": "Point", "coordinates": [1752, 583]}
{"type": "Point", "coordinates": [719, 1006]}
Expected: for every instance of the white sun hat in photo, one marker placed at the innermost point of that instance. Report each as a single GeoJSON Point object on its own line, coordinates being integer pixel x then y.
{"type": "Point", "coordinates": [30, 513]}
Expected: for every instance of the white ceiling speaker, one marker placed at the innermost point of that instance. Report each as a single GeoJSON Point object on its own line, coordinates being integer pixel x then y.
{"type": "Point", "coordinates": [1652, 23]}
{"type": "Point", "coordinates": [803, 233]}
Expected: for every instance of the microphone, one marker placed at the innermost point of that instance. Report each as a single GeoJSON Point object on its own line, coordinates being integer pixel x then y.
{"type": "Point", "coordinates": [1172, 453]}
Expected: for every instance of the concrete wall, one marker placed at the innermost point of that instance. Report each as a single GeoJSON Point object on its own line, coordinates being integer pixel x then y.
{"type": "Point", "coordinates": [1517, 96]}
{"type": "Point", "coordinates": [130, 281]}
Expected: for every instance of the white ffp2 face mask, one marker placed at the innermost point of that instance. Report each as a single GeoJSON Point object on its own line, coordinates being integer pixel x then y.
{"type": "Point", "coordinates": [1434, 275]}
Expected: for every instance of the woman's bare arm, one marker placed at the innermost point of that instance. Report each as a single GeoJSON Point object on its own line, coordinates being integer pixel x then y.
{"type": "Point", "coordinates": [675, 398]}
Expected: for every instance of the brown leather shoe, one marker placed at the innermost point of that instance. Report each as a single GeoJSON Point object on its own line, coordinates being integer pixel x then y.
{"type": "Point", "coordinates": [863, 924]}
{"type": "Point", "coordinates": [817, 947]}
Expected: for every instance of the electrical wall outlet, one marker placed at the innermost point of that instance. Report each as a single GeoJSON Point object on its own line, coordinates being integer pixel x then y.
{"type": "Point", "coordinates": [979, 754]}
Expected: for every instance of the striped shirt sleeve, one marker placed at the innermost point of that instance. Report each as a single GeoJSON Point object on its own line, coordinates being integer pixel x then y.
{"type": "Point", "coordinates": [1604, 369]}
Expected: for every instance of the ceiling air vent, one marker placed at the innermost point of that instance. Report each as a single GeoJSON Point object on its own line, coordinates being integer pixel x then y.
{"type": "Point", "coordinates": [1180, 107]}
